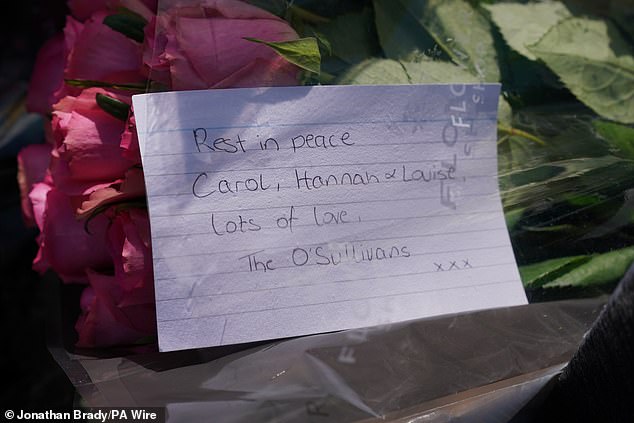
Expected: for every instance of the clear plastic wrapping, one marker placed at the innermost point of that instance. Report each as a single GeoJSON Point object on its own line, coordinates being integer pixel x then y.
{"type": "Point", "coordinates": [489, 363]}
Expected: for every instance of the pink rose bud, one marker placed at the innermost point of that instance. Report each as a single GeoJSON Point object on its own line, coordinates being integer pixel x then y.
{"type": "Point", "coordinates": [119, 309]}
{"type": "Point", "coordinates": [103, 54]}
{"type": "Point", "coordinates": [105, 323]}
{"type": "Point", "coordinates": [88, 143]}
{"type": "Point", "coordinates": [204, 47]}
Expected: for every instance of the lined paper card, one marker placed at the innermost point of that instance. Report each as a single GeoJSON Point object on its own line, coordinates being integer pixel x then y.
{"type": "Point", "coordinates": [278, 212]}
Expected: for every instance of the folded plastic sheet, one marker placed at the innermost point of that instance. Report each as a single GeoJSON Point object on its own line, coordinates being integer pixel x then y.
{"type": "Point", "coordinates": [462, 367]}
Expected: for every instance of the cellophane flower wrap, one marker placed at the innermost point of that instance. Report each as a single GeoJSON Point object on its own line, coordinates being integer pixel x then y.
{"type": "Point", "coordinates": [565, 136]}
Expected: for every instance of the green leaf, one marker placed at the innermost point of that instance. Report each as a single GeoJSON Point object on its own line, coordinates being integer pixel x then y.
{"type": "Point", "coordinates": [505, 112]}
{"type": "Point", "coordinates": [461, 31]}
{"type": "Point", "coordinates": [513, 217]}
{"type": "Point", "coordinates": [351, 36]}
{"type": "Point", "coordinates": [386, 71]}
{"type": "Point", "coordinates": [303, 52]}
{"type": "Point", "coordinates": [600, 269]}
{"type": "Point", "coordinates": [538, 274]}
{"type": "Point", "coordinates": [548, 183]}
{"type": "Point", "coordinates": [375, 72]}
{"type": "Point", "coordinates": [522, 25]}
{"type": "Point", "coordinates": [113, 107]}
{"type": "Point", "coordinates": [619, 137]}
{"type": "Point", "coordinates": [437, 72]}
{"type": "Point", "coordinates": [87, 83]}
{"type": "Point", "coordinates": [595, 63]}
{"type": "Point", "coordinates": [400, 35]}
{"type": "Point", "coordinates": [128, 23]}
{"type": "Point", "coordinates": [323, 42]}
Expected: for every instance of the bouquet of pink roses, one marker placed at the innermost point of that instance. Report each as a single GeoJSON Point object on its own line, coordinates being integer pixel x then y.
{"type": "Point", "coordinates": [84, 188]}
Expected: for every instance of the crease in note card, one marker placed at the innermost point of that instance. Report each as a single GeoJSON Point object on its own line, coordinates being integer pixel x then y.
{"type": "Point", "coordinates": [280, 212]}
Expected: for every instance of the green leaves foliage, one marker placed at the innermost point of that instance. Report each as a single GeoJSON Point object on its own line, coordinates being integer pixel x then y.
{"type": "Point", "coordinates": [595, 62]}
{"type": "Point", "coordinates": [386, 71]}
{"type": "Point", "coordinates": [538, 274]}
{"type": "Point", "coordinates": [592, 270]}
{"type": "Point", "coordinates": [400, 34]}
{"type": "Point", "coordinates": [524, 24]}
{"type": "Point", "coordinates": [566, 143]}
{"type": "Point", "coordinates": [351, 36]}
{"type": "Point", "coordinates": [619, 137]}
{"type": "Point", "coordinates": [460, 31]}
{"type": "Point", "coordinates": [599, 269]}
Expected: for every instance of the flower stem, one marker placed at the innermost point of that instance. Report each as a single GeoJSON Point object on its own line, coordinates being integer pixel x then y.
{"type": "Point", "coordinates": [510, 131]}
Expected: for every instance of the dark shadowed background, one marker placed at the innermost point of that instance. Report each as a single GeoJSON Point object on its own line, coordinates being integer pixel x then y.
{"type": "Point", "coordinates": [31, 380]}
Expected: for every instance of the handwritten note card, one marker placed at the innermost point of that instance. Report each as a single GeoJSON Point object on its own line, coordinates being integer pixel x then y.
{"type": "Point", "coordinates": [278, 212]}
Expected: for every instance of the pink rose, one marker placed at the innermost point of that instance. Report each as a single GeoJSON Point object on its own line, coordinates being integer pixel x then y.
{"type": "Point", "coordinates": [87, 142]}
{"type": "Point", "coordinates": [131, 188]}
{"type": "Point", "coordinates": [33, 162]}
{"type": "Point", "coordinates": [65, 244]}
{"type": "Point", "coordinates": [103, 54]}
{"type": "Point", "coordinates": [103, 323]}
{"type": "Point", "coordinates": [120, 309]}
{"type": "Point", "coordinates": [129, 246]}
{"type": "Point", "coordinates": [130, 141]}
{"type": "Point", "coordinates": [47, 80]}
{"type": "Point", "coordinates": [86, 51]}
{"type": "Point", "coordinates": [204, 47]}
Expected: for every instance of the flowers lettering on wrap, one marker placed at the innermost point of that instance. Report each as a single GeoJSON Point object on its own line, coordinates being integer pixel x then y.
{"type": "Point", "coordinates": [204, 47]}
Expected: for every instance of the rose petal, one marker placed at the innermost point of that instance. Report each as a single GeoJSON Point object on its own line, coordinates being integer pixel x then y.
{"type": "Point", "coordinates": [204, 47]}
{"type": "Point", "coordinates": [216, 48]}
{"type": "Point", "coordinates": [82, 9]}
{"type": "Point", "coordinates": [47, 76]}
{"type": "Point", "coordinates": [130, 188]}
{"type": "Point", "coordinates": [65, 244]}
{"type": "Point", "coordinates": [262, 73]}
{"type": "Point", "coordinates": [130, 142]}
{"type": "Point", "coordinates": [88, 140]}
{"type": "Point", "coordinates": [33, 161]}
{"type": "Point", "coordinates": [103, 323]}
{"type": "Point", "coordinates": [103, 54]}
{"type": "Point", "coordinates": [129, 244]}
